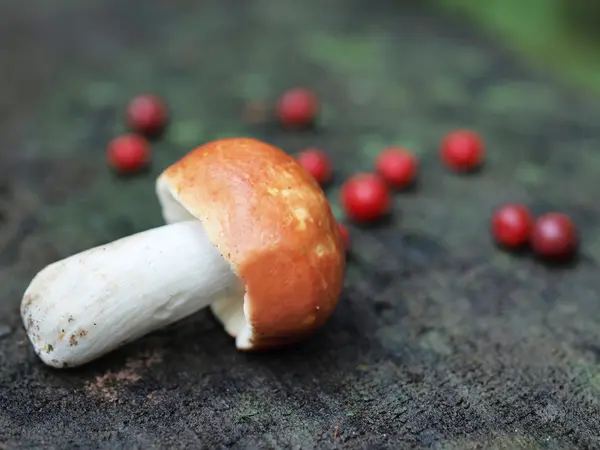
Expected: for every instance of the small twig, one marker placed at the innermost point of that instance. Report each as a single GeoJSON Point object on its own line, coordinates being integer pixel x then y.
{"type": "Point", "coordinates": [336, 432]}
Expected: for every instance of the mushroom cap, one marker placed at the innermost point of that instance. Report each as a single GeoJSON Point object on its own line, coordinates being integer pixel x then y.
{"type": "Point", "coordinates": [271, 221]}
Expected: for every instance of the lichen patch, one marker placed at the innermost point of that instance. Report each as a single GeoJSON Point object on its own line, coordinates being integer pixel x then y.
{"type": "Point", "coordinates": [109, 386]}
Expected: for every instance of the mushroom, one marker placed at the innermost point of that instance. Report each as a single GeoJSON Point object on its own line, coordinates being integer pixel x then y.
{"type": "Point", "coordinates": [249, 233]}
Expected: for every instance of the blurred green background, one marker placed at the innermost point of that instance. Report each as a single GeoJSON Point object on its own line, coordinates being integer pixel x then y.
{"type": "Point", "coordinates": [562, 35]}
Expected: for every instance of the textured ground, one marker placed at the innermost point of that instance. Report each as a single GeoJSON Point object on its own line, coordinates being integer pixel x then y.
{"type": "Point", "coordinates": [440, 340]}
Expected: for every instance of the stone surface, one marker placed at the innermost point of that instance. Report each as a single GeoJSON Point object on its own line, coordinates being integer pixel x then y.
{"type": "Point", "coordinates": [440, 339]}
{"type": "Point", "coordinates": [4, 330]}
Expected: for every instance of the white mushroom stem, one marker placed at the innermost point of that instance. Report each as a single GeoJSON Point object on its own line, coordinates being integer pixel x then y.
{"type": "Point", "coordinates": [86, 305]}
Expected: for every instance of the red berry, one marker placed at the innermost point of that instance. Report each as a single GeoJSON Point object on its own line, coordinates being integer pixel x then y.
{"type": "Point", "coordinates": [317, 163]}
{"type": "Point", "coordinates": [129, 153]}
{"type": "Point", "coordinates": [146, 114]}
{"type": "Point", "coordinates": [345, 235]}
{"type": "Point", "coordinates": [365, 197]}
{"type": "Point", "coordinates": [511, 225]}
{"type": "Point", "coordinates": [462, 150]}
{"type": "Point", "coordinates": [554, 236]}
{"type": "Point", "coordinates": [397, 166]}
{"type": "Point", "coordinates": [297, 108]}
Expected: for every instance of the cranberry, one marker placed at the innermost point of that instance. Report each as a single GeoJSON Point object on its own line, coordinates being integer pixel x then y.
{"type": "Point", "coordinates": [554, 236]}
{"type": "Point", "coordinates": [365, 197]}
{"type": "Point", "coordinates": [462, 150]}
{"type": "Point", "coordinates": [345, 235]}
{"type": "Point", "coordinates": [317, 163]}
{"type": "Point", "coordinates": [146, 114]}
{"type": "Point", "coordinates": [511, 225]}
{"type": "Point", "coordinates": [397, 166]}
{"type": "Point", "coordinates": [128, 154]}
{"type": "Point", "coordinates": [297, 107]}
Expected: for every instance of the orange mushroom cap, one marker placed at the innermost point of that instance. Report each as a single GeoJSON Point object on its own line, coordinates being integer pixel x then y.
{"type": "Point", "coordinates": [272, 222]}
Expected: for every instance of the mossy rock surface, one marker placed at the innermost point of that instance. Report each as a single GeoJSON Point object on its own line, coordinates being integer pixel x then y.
{"type": "Point", "coordinates": [440, 339]}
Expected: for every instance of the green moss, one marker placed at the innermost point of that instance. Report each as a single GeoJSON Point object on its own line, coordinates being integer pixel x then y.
{"type": "Point", "coordinates": [188, 133]}
{"type": "Point", "coordinates": [101, 94]}
{"type": "Point", "coordinates": [373, 144]}
{"type": "Point", "coordinates": [529, 174]}
{"type": "Point", "coordinates": [541, 30]}
{"type": "Point", "coordinates": [508, 96]}
{"type": "Point", "coordinates": [252, 86]}
{"type": "Point", "coordinates": [449, 91]}
{"type": "Point", "coordinates": [346, 54]}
